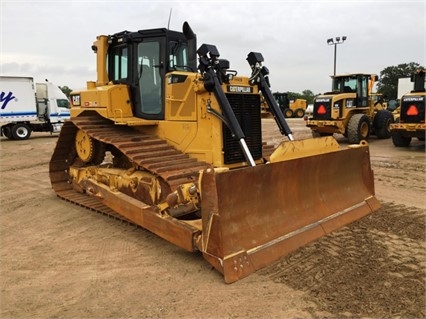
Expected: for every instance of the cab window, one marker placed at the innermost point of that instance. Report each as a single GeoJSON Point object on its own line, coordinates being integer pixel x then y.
{"type": "Point", "coordinates": [178, 56]}
{"type": "Point", "coordinates": [119, 61]}
{"type": "Point", "coordinates": [363, 92]}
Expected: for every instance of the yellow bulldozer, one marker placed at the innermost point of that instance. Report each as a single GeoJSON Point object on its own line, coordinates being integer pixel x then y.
{"type": "Point", "coordinates": [169, 138]}
{"type": "Point", "coordinates": [350, 109]}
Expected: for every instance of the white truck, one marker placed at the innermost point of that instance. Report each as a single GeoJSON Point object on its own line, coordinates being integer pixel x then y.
{"type": "Point", "coordinates": [27, 107]}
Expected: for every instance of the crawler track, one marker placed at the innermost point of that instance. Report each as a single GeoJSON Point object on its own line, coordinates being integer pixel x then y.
{"type": "Point", "coordinates": [145, 151]}
{"type": "Point", "coordinates": [148, 152]}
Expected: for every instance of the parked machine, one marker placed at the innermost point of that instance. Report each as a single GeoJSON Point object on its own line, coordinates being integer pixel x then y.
{"type": "Point", "coordinates": [173, 143]}
{"type": "Point", "coordinates": [411, 119]}
{"type": "Point", "coordinates": [290, 108]}
{"type": "Point", "coordinates": [27, 107]}
{"type": "Point", "coordinates": [350, 109]}
{"type": "Point", "coordinates": [378, 98]}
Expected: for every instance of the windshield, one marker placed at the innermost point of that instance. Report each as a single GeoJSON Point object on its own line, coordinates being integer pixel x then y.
{"type": "Point", "coordinates": [345, 84]}
{"type": "Point", "coordinates": [63, 103]}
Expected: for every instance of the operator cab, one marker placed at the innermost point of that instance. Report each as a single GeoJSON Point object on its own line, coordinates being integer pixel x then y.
{"type": "Point", "coordinates": [282, 100]}
{"type": "Point", "coordinates": [142, 59]}
{"type": "Point", "coordinates": [348, 91]}
{"type": "Point", "coordinates": [354, 83]}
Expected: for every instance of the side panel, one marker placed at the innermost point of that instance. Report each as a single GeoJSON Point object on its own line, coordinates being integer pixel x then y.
{"type": "Point", "coordinates": [17, 99]}
{"type": "Point", "coordinates": [110, 101]}
{"type": "Point", "coordinates": [180, 97]}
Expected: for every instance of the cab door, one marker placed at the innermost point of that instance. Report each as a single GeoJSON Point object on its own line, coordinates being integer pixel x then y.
{"type": "Point", "coordinates": [362, 91]}
{"type": "Point", "coordinates": [150, 79]}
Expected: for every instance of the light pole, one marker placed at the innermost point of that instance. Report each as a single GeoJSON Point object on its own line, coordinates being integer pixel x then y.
{"type": "Point", "coordinates": [335, 42]}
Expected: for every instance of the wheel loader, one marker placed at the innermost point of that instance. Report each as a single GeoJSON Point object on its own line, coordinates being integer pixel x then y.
{"type": "Point", "coordinates": [378, 98]}
{"type": "Point", "coordinates": [169, 138]}
{"type": "Point", "coordinates": [411, 117]}
{"type": "Point", "coordinates": [350, 109]}
{"type": "Point", "coordinates": [296, 108]}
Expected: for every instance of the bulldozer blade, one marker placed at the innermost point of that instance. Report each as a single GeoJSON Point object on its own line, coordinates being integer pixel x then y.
{"type": "Point", "coordinates": [253, 216]}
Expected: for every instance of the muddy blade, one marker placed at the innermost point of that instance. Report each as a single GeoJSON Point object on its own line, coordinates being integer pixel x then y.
{"type": "Point", "coordinates": [254, 216]}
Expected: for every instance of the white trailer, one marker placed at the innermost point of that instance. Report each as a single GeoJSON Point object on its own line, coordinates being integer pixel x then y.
{"type": "Point", "coordinates": [27, 107]}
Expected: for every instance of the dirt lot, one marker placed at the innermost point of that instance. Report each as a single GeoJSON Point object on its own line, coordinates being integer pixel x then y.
{"type": "Point", "coordinates": [60, 260]}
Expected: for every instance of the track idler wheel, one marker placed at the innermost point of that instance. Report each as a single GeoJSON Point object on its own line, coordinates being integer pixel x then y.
{"type": "Point", "coordinates": [88, 149]}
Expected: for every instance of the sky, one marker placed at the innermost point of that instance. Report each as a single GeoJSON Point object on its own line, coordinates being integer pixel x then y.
{"type": "Point", "coordinates": [52, 39]}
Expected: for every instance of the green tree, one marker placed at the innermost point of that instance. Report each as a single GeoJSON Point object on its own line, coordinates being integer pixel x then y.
{"type": "Point", "coordinates": [294, 96]}
{"type": "Point", "coordinates": [66, 90]}
{"type": "Point", "coordinates": [308, 95]}
{"type": "Point", "coordinates": [388, 83]}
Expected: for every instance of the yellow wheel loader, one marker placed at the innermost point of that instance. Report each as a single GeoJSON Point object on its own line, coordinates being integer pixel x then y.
{"type": "Point", "coordinates": [411, 116]}
{"type": "Point", "coordinates": [350, 109]}
{"type": "Point", "coordinates": [296, 108]}
{"type": "Point", "coordinates": [169, 138]}
{"type": "Point", "coordinates": [379, 99]}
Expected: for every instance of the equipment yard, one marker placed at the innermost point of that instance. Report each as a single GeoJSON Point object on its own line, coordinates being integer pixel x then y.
{"type": "Point", "coordinates": [62, 260]}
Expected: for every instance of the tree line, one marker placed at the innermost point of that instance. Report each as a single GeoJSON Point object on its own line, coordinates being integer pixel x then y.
{"type": "Point", "coordinates": [388, 82]}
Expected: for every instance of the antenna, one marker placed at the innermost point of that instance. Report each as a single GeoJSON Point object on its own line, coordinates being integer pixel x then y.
{"type": "Point", "coordinates": [170, 16]}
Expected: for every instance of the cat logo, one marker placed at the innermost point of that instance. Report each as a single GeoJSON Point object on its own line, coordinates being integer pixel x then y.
{"type": "Point", "coordinates": [239, 89]}
{"type": "Point", "coordinates": [75, 99]}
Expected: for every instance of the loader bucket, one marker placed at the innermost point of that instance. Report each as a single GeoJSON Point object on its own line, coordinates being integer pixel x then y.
{"type": "Point", "coordinates": [253, 216]}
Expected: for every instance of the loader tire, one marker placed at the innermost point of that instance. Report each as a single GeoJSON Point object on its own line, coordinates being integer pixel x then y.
{"type": "Point", "coordinates": [400, 140]}
{"type": "Point", "coordinates": [288, 113]}
{"type": "Point", "coordinates": [382, 122]}
{"type": "Point", "coordinates": [358, 128]}
{"type": "Point", "coordinates": [21, 131]}
{"type": "Point", "coordinates": [299, 113]}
